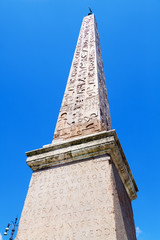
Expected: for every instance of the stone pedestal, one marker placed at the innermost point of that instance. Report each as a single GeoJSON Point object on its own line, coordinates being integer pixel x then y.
{"type": "Point", "coordinates": [81, 189]}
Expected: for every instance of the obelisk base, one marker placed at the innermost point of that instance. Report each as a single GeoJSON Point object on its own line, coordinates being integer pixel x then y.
{"type": "Point", "coordinates": [77, 192]}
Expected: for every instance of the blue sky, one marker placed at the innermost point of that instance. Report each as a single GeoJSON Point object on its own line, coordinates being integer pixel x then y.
{"type": "Point", "coordinates": [37, 42]}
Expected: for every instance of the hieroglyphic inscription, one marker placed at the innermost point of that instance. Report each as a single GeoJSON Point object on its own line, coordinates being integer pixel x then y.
{"type": "Point", "coordinates": [81, 108]}
{"type": "Point", "coordinates": [70, 202]}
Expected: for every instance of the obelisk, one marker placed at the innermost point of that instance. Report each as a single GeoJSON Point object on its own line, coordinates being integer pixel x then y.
{"type": "Point", "coordinates": [82, 186]}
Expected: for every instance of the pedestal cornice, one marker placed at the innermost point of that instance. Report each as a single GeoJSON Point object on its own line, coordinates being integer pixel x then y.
{"type": "Point", "coordinates": [84, 148]}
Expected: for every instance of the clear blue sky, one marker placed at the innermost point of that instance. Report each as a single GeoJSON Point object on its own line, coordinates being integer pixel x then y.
{"type": "Point", "coordinates": [37, 42]}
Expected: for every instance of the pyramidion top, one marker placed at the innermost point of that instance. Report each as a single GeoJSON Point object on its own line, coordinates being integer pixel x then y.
{"type": "Point", "coordinates": [85, 108]}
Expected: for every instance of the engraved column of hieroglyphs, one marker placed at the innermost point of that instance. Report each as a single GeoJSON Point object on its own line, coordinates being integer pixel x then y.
{"type": "Point", "coordinates": [82, 76]}
{"type": "Point", "coordinates": [104, 105]}
{"type": "Point", "coordinates": [66, 114]}
{"type": "Point", "coordinates": [87, 73]}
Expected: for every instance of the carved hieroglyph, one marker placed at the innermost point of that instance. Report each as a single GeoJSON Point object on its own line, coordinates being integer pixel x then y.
{"type": "Point", "coordinates": [85, 107]}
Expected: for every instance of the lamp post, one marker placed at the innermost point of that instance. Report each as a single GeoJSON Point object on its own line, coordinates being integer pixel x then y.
{"type": "Point", "coordinates": [14, 225]}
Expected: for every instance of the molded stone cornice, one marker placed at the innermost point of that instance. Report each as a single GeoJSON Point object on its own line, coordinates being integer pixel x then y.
{"type": "Point", "coordinates": [84, 148]}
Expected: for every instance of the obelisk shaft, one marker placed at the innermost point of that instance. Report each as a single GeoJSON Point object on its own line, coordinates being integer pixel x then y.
{"type": "Point", "coordinates": [85, 107]}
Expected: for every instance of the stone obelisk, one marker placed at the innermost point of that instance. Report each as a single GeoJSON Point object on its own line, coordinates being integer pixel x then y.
{"type": "Point", "coordinates": [82, 186]}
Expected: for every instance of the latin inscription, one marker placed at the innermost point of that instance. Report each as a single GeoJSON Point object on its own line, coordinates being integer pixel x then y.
{"type": "Point", "coordinates": [67, 201]}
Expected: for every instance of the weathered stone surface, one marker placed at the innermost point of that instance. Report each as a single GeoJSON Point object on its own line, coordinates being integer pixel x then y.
{"type": "Point", "coordinates": [77, 201]}
{"type": "Point", "coordinates": [125, 228]}
{"type": "Point", "coordinates": [85, 107]}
